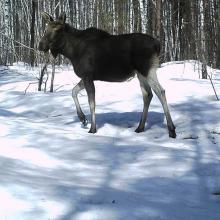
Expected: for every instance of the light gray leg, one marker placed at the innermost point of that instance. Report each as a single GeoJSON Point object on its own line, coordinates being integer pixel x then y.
{"type": "Point", "coordinates": [53, 74]}
{"type": "Point", "coordinates": [75, 91]}
{"type": "Point", "coordinates": [90, 89]}
{"type": "Point", "coordinates": [160, 92]}
{"type": "Point", "coordinates": [147, 97]}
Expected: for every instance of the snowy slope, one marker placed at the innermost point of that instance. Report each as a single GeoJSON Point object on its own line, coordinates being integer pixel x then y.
{"type": "Point", "coordinates": [52, 169]}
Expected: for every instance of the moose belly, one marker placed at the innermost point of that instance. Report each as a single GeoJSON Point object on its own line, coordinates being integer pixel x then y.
{"type": "Point", "coordinates": [111, 74]}
{"type": "Point", "coordinates": [114, 68]}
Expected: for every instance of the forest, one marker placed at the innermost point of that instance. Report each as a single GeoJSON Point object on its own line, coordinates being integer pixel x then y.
{"type": "Point", "coordinates": [187, 30]}
{"type": "Point", "coordinates": [53, 168]}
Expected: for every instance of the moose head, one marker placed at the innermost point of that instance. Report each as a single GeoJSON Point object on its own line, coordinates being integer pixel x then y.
{"type": "Point", "coordinates": [53, 35]}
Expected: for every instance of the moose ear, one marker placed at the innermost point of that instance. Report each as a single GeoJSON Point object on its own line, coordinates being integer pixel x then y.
{"type": "Point", "coordinates": [62, 18]}
{"type": "Point", "coordinates": [47, 18]}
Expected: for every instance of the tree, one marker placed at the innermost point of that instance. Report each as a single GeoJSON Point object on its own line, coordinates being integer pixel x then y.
{"type": "Point", "coordinates": [218, 37]}
{"type": "Point", "coordinates": [32, 40]}
{"type": "Point", "coordinates": [137, 16]}
{"type": "Point", "coordinates": [119, 13]}
{"type": "Point", "coordinates": [186, 29]}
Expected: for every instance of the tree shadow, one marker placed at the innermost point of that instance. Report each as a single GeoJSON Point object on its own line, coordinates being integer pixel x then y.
{"type": "Point", "coordinates": [113, 178]}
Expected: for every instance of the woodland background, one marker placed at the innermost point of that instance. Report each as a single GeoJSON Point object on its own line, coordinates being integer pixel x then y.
{"type": "Point", "coordinates": [187, 29]}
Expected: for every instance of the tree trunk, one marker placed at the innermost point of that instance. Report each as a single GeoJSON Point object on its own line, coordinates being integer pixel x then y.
{"type": "Point", "coordinates": [119, 12]}
{"type": "Point", "coordinates": [32, 53]}
{"type": "Point", "coordinates": [158, 18]}
{"type": "Point", "coordinates": [151, 15]}
{"type": "Point", "coordinates": [218, 38]}
{"type": "Point", "coordinates": [137, 16]}
{"type": "Point", "coordinates": [204, 71]}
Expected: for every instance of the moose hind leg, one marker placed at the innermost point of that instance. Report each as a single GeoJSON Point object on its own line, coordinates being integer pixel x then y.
{"type": "Point", "coordinates": [147, 97]}
{"type": "Point", "coordinates": [90, 89]}
{"type": "Point", "coordinates": [160, 92]}
{"type": "Point", "coordinates": [75, 91]}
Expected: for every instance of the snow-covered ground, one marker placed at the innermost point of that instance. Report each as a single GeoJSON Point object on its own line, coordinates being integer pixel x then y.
{"type": "Point", "coordinates": [52, 169]}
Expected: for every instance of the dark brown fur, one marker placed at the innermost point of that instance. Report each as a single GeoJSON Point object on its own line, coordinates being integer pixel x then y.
{"type": "Point", "coordinates": [98, 55]}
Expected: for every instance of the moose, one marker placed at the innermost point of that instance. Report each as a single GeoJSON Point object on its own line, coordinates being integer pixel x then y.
{"type": "Point", "coordinates": [98, 55]}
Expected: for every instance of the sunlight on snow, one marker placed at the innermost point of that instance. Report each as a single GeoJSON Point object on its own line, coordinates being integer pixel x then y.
{"type": "Point", "coordinates": [14, 149]}
{"type": "Point", "coordinates": [11, 204]}
{"type": "Point", "coordinates": [52, 169]}
{"type": "Point", "coordinates": [94, 214]}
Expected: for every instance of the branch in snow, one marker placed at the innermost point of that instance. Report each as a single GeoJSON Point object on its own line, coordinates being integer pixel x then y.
{"type": "Point", "coordinates": [25, 91]}
{"type": "Point", "coordinates": [213, 87]}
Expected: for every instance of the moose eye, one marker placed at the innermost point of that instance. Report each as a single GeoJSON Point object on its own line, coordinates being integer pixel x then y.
{"type": "Point", "coordinates": [58, 28]}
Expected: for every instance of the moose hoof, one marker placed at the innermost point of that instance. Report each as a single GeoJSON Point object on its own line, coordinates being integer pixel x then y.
{"type": "Point", "coordinates": [92, 130]}
{"type": "Point", "coordinates": [139, 130]}
{"type": "Point", "coordinates": [172, 134]}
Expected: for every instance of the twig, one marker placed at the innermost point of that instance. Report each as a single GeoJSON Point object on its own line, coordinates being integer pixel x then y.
{"type": "Point", "coordinates": [190, 137]}
{"type": "Point", "coordinates": [215, 132]}
{"type": "Point", "coordinates": [25, 91]}
{"type": "Point", "coordinates": [23, 45]}
{"type": "Point", "coordinates": [59, 88]}
{"type": "Point", "coordinates": [213, 87]}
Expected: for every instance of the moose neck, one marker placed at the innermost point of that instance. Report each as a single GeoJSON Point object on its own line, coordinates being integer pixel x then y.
{"type": "Point", "coordinates": [70, 40]}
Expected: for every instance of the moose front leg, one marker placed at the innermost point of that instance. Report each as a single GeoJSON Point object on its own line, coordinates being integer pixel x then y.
{"type": "Point", "coordinates": [147, 97]}
{"type": "Point", "coordinates": [75, 91]}
{"type": "Point", "coordinates": [90, 89]}
{"type": "Point", "coordinates": [160, 92]}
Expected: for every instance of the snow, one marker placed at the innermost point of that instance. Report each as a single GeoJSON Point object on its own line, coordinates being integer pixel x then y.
{"type": "Point", "coordinates": [52, 169]}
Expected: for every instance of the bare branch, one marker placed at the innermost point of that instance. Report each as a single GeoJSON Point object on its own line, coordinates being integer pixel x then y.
{"type": "Point", "coordinates": [213, 87]}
